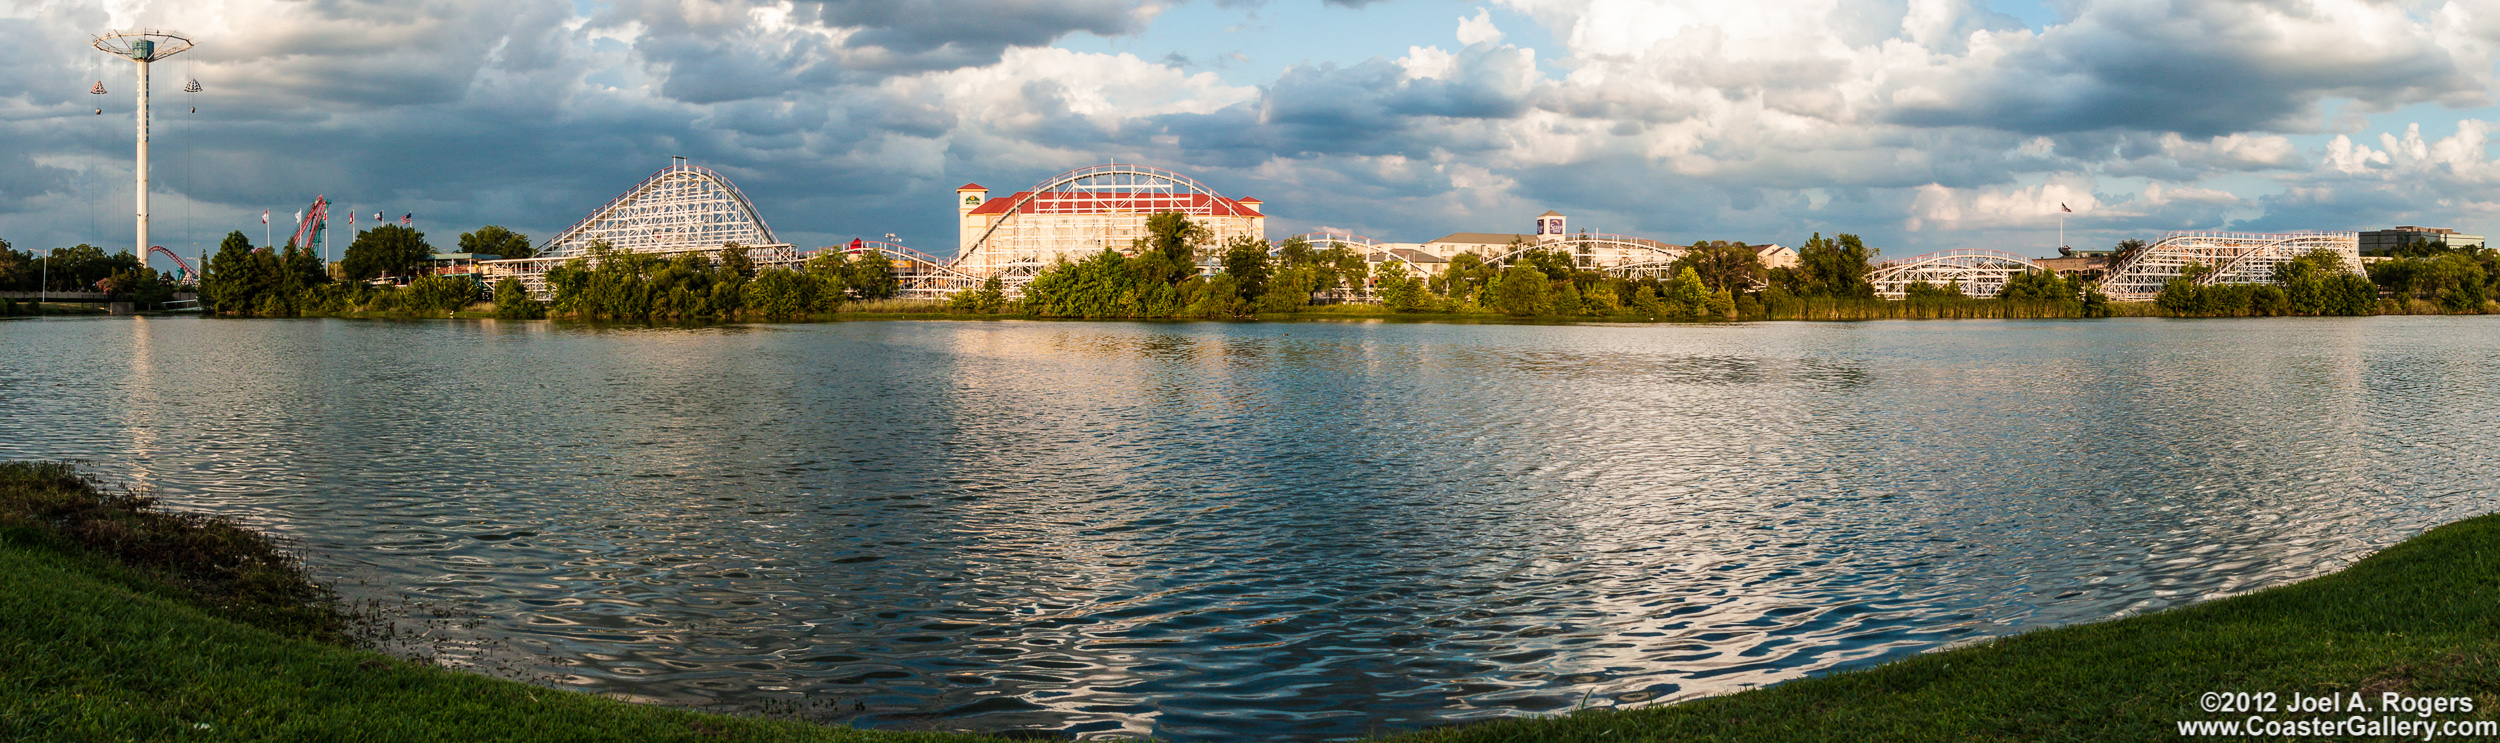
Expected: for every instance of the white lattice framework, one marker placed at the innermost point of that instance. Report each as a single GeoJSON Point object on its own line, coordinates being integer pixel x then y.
{"type": "Point", "coordinates": [1618, 255]}
{"type": "Point", "coordinates": [2235, 257]}
{"type": "Point", "coordinates": [1371, 250]}
{"type": "Point", "coordinates": [1981, 272]}
{"type": "Point", "coordinates": [1084, 211]}
{"type": "Point", "coordinates": [681, 208]}
{"type": "Point", "coordinates": [921, 276]}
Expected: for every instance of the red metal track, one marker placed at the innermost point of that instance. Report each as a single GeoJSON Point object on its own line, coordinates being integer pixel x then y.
{"type": "Point", "coordinates": [316, 219]}
{"type": "Point", "coordinates": [188, 273]}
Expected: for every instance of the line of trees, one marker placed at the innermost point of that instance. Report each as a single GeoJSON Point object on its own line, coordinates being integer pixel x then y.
{"type": "Point", "coordinates": [384, 270]}
{"type": "Point", "coordinates": [2316, 283]}
{"type": "Point", "coordinates": [619, 285]}
{"type": "Point", "coordinates": [2434, 275]}
{"type": "Point", "coordinates": [1159, 277]}
{"type": "Point", "coordinates": [81, 268]}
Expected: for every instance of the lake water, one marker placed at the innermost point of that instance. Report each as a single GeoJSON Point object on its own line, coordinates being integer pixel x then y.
{"type": "Point", "coordinates": [1273, 531]}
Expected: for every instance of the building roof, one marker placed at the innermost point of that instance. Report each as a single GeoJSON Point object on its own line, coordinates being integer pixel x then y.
{"type": "Point", "coordinates": [1481, 238]}
{"type": "Point", "coordinates": [1773, 247]}
{"type": "Point", "coordinates": [1416, 256]}
{"type": "Point", "coordinates": [1550, 213]}
{"type": "Point", "coordinates": [971, 187]}
{"type": "Point", "coordinates": [1053, 202]}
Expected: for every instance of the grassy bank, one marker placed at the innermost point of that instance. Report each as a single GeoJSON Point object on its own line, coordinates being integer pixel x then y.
{"type": "Point", "coordinates": [119, 621]}
{"type": "Point", "coordinates": [2421, 618]}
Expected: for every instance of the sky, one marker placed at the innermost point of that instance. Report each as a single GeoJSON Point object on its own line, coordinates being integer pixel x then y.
{"type": "Point", "coordinates": [1921, 125]}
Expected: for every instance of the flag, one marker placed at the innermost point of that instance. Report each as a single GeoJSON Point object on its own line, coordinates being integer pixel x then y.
{"type": "Point", "coordinates": [351, 221]}
{"type": "Point", "coordinates": [264, 216]}
{"type": "Point", "coordinates": [2061, 206]}
{"type": "Point", "coordinates": [299, 217]}
{"type": "Point", "coordinates": [408, 219]}
{"type": "Point", "coordinates": [377, 217]}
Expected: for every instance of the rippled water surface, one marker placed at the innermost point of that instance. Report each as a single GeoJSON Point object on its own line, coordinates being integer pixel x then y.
{"type": "Point", "coordinates": [1260, 531]}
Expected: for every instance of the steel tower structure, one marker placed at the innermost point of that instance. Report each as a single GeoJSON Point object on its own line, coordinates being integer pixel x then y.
{"type": "Point", "coordinates": [142, 46]}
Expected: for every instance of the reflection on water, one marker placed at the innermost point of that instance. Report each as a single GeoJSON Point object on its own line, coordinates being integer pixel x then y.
{"type": "Point", "coordinates": [1204, 531]}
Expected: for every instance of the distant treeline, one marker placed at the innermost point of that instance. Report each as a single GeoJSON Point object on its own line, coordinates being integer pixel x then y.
{"type": "Point", "coordinates": [386, 271]}
{"type": "Point", "coordinates": [613, 284]}
{"type": "Point", "coordinates": [83, 268]}
{"type": "Point", "coordinates": [1159, 277]}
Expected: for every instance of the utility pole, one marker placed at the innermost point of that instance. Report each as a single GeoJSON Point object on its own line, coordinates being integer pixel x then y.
{"type": "Point", "coordinates": [142, 46]}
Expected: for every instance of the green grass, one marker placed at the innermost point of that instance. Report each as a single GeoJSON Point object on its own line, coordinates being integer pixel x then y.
{"type": "Point", "coordinates": [2420, 618]}
{"type": "Point", "coordinates": [122, 622]}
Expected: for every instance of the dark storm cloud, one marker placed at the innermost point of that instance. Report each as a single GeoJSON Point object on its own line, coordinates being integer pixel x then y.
{"type": "Point", "coordinates": [708, 52]}
{"type": "Point", "coordinates": [974, 32]}
{"type": "Point", "coordinates": [1374, 107]}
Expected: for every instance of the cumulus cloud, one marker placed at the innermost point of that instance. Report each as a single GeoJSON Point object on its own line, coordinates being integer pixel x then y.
{"type": "Point", "coordinates": [1935, 123]}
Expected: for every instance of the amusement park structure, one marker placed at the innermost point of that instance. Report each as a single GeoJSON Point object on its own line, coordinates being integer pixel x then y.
{"type": "Point", "coordinates": [1617, 255]}
{"type": "Point", "coordinates": [1979, 272]}
{"type": "Point", "coordinates": [311, 233]}
{"type": "Point", "coordinates": [2232, 257]}
{"type": "Point", "coordinates": [142, 46]}
{"type": "Point", "coordinates": [685, 208]}
{"type": "Point", "coordinates": [184, 273]}
{"type": "Point", "coordinates": [1082, 212]}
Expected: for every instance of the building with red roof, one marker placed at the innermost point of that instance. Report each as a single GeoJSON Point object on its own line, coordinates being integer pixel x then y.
{"type": "Point", "coordinates": [1083, 213]}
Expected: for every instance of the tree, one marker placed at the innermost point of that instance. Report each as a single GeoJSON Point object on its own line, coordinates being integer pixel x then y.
{"type": "Point", "coordinates": [1294, 251]}
{"type": "Point", "coordinates": [441, 293]}
{"type": "Point", "coordinates": [1921, 290]}
{"type": "Point", "coordinates": [781, 293]}
{"type": "Point", "coordinates": [238, 276]}
{"type": "Point", "coordinates": [497, 241]}
{"type": "Point", "coordinates": [1246, 260]}
{"type": "Point", "coordinates": [733, 257]}
{"type": "Point", "coordinates": [872, 276]}
{"type": "Point", "coordinates": [832, 270]}
{"type": "Point", "coordinates": [1520, 291]}
{"type": "Point", "coordinates": [388, 250]}
{"type": "Point", "coordinates": [2036, 286]}
{"type": "Point", "coordinates": [1722, 305]}
{"type": "Point", "coordinates": [1732, 266]}
{"type": "Point", "coordinates": [18, 270]}
{"type": "Point", "coordinates": [1401, 292]}
{"type": "Point", "coordinates": [513, 301]}
{"type": "Point", "coordinates": [2125, 251]}
{"type": "Point", "coordinates": [2317, 283]}
{"type": "Point", "coordinates": [1686, 295]}
{"type": "Point", "coordinates": [142, 286]}
{"type": "Point", "coordinates": [1289, 289]}
{"type": "Point", "coordinates": [1834, 268]}
{"type": "Point", "coordinates": [989, 298]}
{"type": "Point", "coordinates": [1169, 250]}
